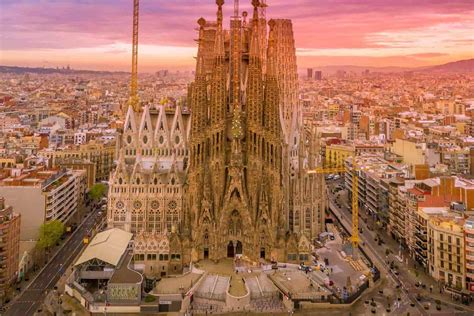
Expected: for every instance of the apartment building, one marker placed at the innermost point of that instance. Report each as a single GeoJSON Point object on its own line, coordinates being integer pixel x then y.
{"type": "Point", "coordinates": [469, 253]}
{"type": "Point", "coordinates": [42, 195]}
{"type": "Point", "coordinates": [429, 207]}
{"type": "Point", "coordinates": [101, 154]}
{"type": "Point", "coordinates": [336, 154]}
{"type": "Point", "coordinates": [374, 175]}
{"type": "Point", "coordinates": [446, 250]}
{"type": "Point", "coordinates": [395, 214]}
{"type": "Point", "coordinates": [9, 247]}
{"type": "Point", "coordinates": [457, 159]}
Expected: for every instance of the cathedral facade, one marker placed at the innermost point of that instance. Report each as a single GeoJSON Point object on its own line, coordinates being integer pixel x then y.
{"type": "Point", "coordinates": [148, 187]}
{"type": "Point", "coordinates": [230, 178]}
{"type": "Point", "coordinates": [249, 190]}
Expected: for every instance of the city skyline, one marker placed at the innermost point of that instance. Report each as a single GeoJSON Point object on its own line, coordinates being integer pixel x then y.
{"type": "Point", "coordinates": [86, 34]}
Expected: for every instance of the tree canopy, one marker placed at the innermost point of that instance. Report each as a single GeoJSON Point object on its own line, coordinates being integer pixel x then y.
{"type": "Point", "coordinates": [97, 191]}
{"type": "Point", "coordinates": [50, 233]}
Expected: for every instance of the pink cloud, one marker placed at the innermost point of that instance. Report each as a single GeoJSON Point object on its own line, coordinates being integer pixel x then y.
{"type": "Point", "coordinates": [324, 24]}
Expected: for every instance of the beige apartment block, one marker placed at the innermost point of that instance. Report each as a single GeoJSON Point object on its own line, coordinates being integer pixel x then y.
{"type": "Point", "coordinates": [413, 153]}
{"type": "Point", "coordinates": [101, 154]}
{"type": "Point", "coordinates": [426, 209]}
{"type": "Point", "coordinates": [42, 195]}
{"type": "Point", "coordinates": [446, 249]}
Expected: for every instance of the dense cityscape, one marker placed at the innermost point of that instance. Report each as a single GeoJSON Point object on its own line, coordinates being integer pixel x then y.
{"type": "Point", "coordinates": [247, 185]}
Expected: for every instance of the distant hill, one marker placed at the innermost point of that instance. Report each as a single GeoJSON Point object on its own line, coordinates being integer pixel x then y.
{"type": "Point", "coordinates": [461, 66]}
{"type": "Point", "coordinates": [356, 69]}
{"type": "Point", "coordinates": [464, 66]}
{"type": "Point", "coordinates": [40, 70]}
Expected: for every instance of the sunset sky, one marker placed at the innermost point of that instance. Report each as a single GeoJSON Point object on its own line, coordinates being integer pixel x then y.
{"type": "Point", "coordinates": [96, 34]}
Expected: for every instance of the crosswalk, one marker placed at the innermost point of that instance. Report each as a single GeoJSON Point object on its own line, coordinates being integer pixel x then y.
{"type": "Point", "coordinates": [357, 265]}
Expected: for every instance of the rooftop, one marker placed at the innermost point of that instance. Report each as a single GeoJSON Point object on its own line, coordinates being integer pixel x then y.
{"type": "Point", "coordinates": [108, 246]}
{"type": "Point", "coordinates": [124, 274]}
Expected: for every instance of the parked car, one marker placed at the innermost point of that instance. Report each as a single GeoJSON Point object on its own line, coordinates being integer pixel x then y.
{"type": "Point", "coordinates": [305, 268]}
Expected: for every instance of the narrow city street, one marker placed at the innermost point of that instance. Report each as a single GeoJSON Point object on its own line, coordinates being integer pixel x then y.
{"type": "Point", "coordinates": [403, 279]}
{"type": "Point", "coordinates": [32, 297]}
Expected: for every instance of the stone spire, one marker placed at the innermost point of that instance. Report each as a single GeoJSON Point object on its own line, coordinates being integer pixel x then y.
{"type": "Point", "coordinates": [272, 115]}
{"type": "Point", "coordinates": [218, 82]}
{"type": "Point", "coordinates": [255, 83]}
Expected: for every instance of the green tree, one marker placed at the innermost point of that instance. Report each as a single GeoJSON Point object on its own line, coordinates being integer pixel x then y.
{"type": "Point", "coordinates": [97, 191]}
{"type": "Point", "coordinates": [50, 233]}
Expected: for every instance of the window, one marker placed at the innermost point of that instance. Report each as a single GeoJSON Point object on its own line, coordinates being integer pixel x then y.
{"type": "Point", "coordinates": [307, 219]}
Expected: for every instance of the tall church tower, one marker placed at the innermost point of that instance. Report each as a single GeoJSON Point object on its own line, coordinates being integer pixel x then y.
{"type": "Point", "coordinates": [249, 191]}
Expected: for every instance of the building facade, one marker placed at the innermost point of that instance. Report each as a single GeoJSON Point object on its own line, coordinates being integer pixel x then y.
{"type": "Point", "coordinates": [469, 246]}
{"type": "Point", "coordinates": [250, 193]}
{"type": "Point", "coordinates": [446, 250]}
{"type": "Point", "coordinates": [147, 189]}
{"type": "Point", "coordinates": [53, 194]}
{"type": "Point", "coordinates": [230, 179]}
{"type": "Point", "coordinates": [9, 247]}
{"type": "Point", "coordinates": [100, 154]}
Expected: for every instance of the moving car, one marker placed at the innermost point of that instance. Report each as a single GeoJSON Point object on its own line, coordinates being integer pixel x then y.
{"type": "Point", "coordinates": [305, 268]}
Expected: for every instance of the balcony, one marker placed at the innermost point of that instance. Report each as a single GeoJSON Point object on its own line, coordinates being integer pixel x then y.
{"type": "Point", "coordinates": [469, 265]}
{"type": "Point", "coordinates": [421, 237]}
{"type": "Point", "coordinates": [421, 245]}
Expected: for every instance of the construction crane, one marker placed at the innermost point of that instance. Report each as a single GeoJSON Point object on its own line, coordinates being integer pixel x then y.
{"type": "Point", "coordinates": [134, 101]}
{"type": "Point", "coordinates": [355, 198]}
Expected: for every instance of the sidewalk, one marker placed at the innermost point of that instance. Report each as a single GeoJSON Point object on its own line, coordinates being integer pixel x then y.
{"type": "Point", "coordinates": [409, 271]}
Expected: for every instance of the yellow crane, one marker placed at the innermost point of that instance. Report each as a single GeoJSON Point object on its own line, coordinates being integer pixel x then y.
{"type": "Point", "coordinates": [134, 101]}
{"type": "Point", "coordinates": [355, 197]}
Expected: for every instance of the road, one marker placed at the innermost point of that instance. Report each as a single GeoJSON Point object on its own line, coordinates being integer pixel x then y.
{"type": "Point", "coordinates": [377, 254]}
{"type": "Point", "coordinates": [371, 248]}
{"type": "Point", "coordinates": [31, 299]}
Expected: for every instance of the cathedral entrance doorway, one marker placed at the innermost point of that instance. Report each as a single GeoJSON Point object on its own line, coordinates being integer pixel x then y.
{"type": "Point", "coordinates": [238, 248]}
{"type": "Point", "coordinates": [262, 253]}
{"type": "Point", "coordinates": [206, 253]}
{"type": "Point", "coordinates": [230, 250]}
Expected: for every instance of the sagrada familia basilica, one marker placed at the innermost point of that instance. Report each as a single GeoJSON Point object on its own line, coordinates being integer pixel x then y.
{"type": "Point", "coordinates": [225, 173]}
